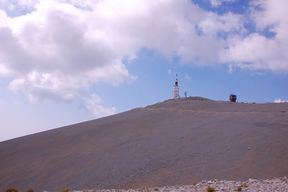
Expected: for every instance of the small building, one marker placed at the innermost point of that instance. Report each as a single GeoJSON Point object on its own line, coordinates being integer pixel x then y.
{"type": "Point", "coordinates": [232, 98]}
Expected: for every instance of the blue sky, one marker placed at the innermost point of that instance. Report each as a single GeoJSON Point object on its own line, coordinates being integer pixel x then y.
{"type": "Point", "coordinates": [68, 61]}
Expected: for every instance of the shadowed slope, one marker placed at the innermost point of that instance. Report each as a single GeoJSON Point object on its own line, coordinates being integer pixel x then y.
{"type": "Point", "coordinates": [170, 143]}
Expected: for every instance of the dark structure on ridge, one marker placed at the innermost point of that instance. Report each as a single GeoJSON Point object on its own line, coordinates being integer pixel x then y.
{"type": "Point", "coordinates": [232, 98]}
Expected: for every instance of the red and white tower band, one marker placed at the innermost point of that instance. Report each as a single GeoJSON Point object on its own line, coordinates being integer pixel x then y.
{"type": "Point", "coordinates": [176, 89]}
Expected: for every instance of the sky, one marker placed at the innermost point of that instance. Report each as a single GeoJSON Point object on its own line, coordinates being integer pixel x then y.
{"type": "Point", "coordinates": [68, 61]}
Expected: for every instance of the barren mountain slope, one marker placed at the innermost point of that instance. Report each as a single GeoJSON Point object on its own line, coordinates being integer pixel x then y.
{"type": "Point", "coordinates": [170, 143]}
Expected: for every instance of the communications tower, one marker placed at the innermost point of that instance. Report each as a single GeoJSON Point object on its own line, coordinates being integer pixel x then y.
{"type": "Point", "coordinates": [176, 89]}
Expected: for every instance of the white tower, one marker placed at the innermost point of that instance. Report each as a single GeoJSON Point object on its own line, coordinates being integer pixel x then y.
{"type": "Point", "coordinates": [176, 89]}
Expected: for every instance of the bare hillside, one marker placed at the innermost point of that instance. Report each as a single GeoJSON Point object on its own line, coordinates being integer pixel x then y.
{"type": "Point", "coordinates": [170, 143]}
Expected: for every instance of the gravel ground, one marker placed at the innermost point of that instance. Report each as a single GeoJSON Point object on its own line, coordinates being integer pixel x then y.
{"type": "Point", "coordinates": [175, 142]}
{"type": "Point", "coordinates": [251, 185]}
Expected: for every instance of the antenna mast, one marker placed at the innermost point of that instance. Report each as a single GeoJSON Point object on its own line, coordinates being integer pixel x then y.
{"type": "Point", "coordinates": [176, 89]}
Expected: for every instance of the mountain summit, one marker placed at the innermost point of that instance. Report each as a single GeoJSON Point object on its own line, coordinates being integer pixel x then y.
{"type": "Point", "coordinates": [173, 142]}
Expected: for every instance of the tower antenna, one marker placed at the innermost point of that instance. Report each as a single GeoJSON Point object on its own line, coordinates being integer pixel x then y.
{"type": "Point", "coordinates": [176, 89]}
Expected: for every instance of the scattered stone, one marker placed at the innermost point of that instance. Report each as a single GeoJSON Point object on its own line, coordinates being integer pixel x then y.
{"type": "Point", "coordinates": [252, 185]}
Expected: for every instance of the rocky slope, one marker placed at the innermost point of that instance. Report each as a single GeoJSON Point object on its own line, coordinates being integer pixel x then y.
{"type": "Point", "coordinates": [176, 142]}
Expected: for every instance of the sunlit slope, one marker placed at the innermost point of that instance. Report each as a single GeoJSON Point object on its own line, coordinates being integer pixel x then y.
{"type": "Point", "coordinates": [170, 143]}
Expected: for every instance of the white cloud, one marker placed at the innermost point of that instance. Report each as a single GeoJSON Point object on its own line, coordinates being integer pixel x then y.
{"type": "Point", "coordinates": [257, 51]}
{"type": "Point", "coordinates": [59, 49]}
{"type": "Point", "coordinates": [53, 55]}
{"type": "Point", "coordinates": [93, 104]}
{"type": "Point", "coordinates": [46, 86]}
{"type": "Point", "coordinates": [216, 3]}
{"type": "Point", "coordinates": [6, 5]}
{"type": "Point", "coordinates": [280, 101]}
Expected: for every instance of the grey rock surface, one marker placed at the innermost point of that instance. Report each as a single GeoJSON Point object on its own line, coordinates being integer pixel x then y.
{"type": "Point", "coordinates": [175, 142]}
{"type": "Point", "coordinates": [251, 185]}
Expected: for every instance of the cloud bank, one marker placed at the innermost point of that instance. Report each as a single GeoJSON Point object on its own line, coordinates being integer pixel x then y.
{"type": "Point", "coordinates": [280, 101]}
{"type": "Point", "coordinates": [56, 50]}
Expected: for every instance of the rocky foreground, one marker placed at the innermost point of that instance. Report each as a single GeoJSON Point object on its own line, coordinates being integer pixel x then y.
{"type": "Point", "coordinates": [251, 185]}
